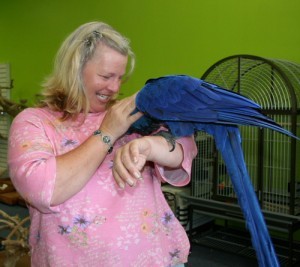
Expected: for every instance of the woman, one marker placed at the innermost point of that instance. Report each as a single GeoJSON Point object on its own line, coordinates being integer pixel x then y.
{"type": "Point", "coordinates": [93, 191]}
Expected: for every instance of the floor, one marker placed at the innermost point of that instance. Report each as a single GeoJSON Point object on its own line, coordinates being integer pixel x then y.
{"type": "Point", "coordinates": [231, 246]}
{"type": "Point", "coordinates": [208, 257]}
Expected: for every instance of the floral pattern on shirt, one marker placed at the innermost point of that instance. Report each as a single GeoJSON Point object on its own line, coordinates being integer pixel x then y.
{"type": "Point", "coordinates": [76, 232]}
{"type": "Point", "coordinates": [102, 225]}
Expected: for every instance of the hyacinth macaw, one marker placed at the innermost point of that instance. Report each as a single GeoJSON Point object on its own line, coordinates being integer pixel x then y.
{"type": "Point", "coordinates": [185, 105]}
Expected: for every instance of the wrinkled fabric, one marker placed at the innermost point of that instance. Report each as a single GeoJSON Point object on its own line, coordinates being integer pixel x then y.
{"type": "Point", "coordinates": [102, 225]}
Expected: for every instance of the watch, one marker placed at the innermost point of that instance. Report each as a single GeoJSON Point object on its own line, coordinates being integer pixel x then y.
{"type": "Point", "coordinates": [105, 139]}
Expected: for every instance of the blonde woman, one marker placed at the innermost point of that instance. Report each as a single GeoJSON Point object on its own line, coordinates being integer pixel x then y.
{"type": "Point", "coordinates": [93, 191]}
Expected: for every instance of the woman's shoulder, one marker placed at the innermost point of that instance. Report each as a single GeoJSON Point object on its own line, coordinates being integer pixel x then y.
{"type": "Point", "coordinates": [35, 112]}
{"type": "Point", "coordinates": [34, 116]}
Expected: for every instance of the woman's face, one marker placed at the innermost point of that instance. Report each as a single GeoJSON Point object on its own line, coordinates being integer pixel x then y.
{"type": "Point", "coordinates": [102, 76]}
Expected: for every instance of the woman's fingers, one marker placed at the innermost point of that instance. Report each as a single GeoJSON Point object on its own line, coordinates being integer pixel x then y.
{"type": "Point", "coordinates": [119, 117]}
{"type": "Point", "coordinates": [126, 168]}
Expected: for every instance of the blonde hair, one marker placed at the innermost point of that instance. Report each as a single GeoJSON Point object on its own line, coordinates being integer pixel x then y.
{"type": "Point", "coordinates": [64, 88]}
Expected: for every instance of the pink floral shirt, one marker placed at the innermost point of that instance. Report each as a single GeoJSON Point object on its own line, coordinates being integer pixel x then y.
{"type": "Point", "coordinates": [101, 225]}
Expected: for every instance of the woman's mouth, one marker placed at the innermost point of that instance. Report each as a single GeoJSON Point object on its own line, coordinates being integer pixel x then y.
{"type": "Point", "coordinates": [102, 97]}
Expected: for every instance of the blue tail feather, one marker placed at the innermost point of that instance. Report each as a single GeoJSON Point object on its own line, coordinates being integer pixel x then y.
{"type": "Point", "coordinates": [232, 154]}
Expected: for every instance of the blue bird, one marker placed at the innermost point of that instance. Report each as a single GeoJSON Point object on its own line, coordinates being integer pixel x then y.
{"type": "Point", "coordinates": [184, 105]}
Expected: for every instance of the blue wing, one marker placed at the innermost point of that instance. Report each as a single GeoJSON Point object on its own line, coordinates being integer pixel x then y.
{"type": "Point", "coordinates": [186, 104]}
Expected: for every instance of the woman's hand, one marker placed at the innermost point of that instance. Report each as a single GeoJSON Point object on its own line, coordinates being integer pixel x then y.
{"type": "Point", "coordinates": [129, 160]}
{"type": "Point", "coordinates": [118, 118]}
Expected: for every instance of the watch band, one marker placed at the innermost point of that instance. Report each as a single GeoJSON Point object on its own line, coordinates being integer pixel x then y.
{"type": "Point", "coordinates": [105, 139]}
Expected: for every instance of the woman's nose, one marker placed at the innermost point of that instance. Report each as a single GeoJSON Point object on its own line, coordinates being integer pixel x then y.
{"type": "Point", "coordinates": [114, 85]}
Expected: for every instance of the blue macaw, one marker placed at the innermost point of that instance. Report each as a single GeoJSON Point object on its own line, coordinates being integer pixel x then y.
{"type": "Point", "coordinates": [184, 105]}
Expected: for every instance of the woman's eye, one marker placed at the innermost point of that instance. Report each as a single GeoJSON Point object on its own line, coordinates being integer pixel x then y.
{"type": "Point", "coordinates": [105, 77]}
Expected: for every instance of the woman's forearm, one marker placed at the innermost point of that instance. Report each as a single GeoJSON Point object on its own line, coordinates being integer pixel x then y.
{"type": "Point", "coordinates": [161, 154]}
{"type": "Point", "coordinates": [75, 168]}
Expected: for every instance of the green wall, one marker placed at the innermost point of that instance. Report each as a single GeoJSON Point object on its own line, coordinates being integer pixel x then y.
{"type": "Point", "coordinates": [168, 36]}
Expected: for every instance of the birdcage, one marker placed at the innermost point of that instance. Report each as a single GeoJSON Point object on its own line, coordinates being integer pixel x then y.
{"type": "Point", "coordinates": [272, 158]}
{"type": "Point", "coordinates": [5, 86]}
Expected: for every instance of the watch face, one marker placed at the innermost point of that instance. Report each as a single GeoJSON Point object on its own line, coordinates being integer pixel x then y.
{"type": "Point", "coordinates": [106, 139]}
